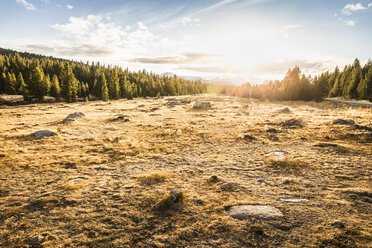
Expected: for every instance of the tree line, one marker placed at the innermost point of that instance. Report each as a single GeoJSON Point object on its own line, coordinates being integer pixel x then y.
{"type": "Point", "coordinates": [354, 82]}
{"type": "Point", "coordinates": [36, 76]}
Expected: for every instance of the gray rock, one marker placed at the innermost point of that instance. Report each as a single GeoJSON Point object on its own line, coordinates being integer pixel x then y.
{"type": "Point", "coordinates": [276, 154]}
{"type": "Point", "coordinates": [242, 212]}
{"type": "Point", "coordinates": [68, 120]}
{"type": "Point", "coordinates": [43, 133]}
{"type": "Point", "coordinates": [249, 137]}
{"type": "Point", "coordinates": [287, 180]}
{"type": "Point", "coordinates": [261, 180]}
{"type": "Point", "coordinates": [37, 240]}
{"type": "Point", "coordinates": [343, 122]}
{"type": "Point", "coordinates": [229, 186]}
{"type": "Point", "coordinates": [285, 111]}
{"type": "Point", "coordinates": [75, 115]}
{"type": "Point", "coordinates": [204, 105]}
{"type": "Point", "coordinates": [338, 224]}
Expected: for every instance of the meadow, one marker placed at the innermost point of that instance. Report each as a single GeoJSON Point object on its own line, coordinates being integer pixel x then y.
{"type": "Point", "coordinates": [157, 172]}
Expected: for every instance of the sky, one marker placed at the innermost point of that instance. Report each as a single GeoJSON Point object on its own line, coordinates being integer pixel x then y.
{"type": "Point", "coordinates": [219, 40]}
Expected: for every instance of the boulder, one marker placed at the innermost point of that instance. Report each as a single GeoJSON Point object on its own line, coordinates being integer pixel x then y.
{"type": "Point", "coordinates": [75, 115]}
{"type": "Point", "coordinates": [229, 186]}
{"type": "Point", "coordinates": [203, 105]}
{"type": "Point", "coordinates": [285, 111]}
{"type": "Point", "coordinates": [242, 212]}
{"type": "Point", "coordinates": [343, 122]}
{"type": "Point", "coordinates": [43, 133]}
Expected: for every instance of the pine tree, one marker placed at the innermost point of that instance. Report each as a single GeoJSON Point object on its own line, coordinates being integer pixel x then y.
{"type": "Point", "coordinates": [10, 83]}
{"type": "Point", "coordinates": [68, 84]}
{"type": "Point", "coordinates": [55, 90]}
{"type": "Point", "coordinates": [23, 88]}
{"type": "Point", "coordinates": [38, 85]}
{"type": "Point", "coordinates": [105, 92]}
{"type": "Point", "coordinates": [365, 87]}
{"type": "Point", "coordinates": [356, 77]}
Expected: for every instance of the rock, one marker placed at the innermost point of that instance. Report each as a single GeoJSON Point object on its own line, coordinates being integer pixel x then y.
{"type": "Point", "coordinates": [37, 240]}
{"type": "Point", "coordinates": [287, 180]}
{"type": "Point", "coordinates": [242, 212]}
{"type": "Point", "coordinates": [154, 114]}
{"type": "Point", "coordinates": [261, 180]}
{"type": "Point", "coordinates": [294, 200]}
{"type": "Point", "coordinates": [75, 115]}
{"type": "Point", "coordinates": [285, 111]}
{"type": "Point", "coordinates": [276, 154]}
{"type": "Point", "coordinates": [213, 179]}
{"type": "Point", "coordinates": [229, 186]}
{"type": "Point", "coordinates": [249, 137]}
{"type": "Point", "coordinates": [246, 113]}
{"type": "Point", "coordinates": [68, 120]}
{"type": "Point", "coordinates": [204, 105]}
{"type": "Point", "coordinates": [272, 130]}
{"type": "Point", "coordinates": [292, 123]}
{"type": "Point", "coordinates": [43, 133]}
{"type": "Point", "coordinates": [343, 122]}
{"type": "Point", "coordinates": [338, 224]}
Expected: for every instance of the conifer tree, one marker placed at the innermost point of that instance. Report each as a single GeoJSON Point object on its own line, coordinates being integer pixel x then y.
{"type": "Point", "coordinates": [356, 76]}
{"type": "Point", "coordinates": [68, 84]}
{"type": "Point", "coordinates": [55, 90]}
{"type": "Point", "coordinates": [365, 87]}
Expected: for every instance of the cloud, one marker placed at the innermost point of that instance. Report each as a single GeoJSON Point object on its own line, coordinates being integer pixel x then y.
{"type": "Point", "coordinates": [268, 68]}
{"type": "Point", "coordinates": [79, 50]}
{"type": "Point", "coordinates": [283, 66]}
{"type": "Point", "coordinates": [141, 26]}
{"type": "Point", "coordinates": [350, 8]}
{"type": "Point", "coordinates": [27, 5]}
{"type": "Point", "coordinates": [189, 20]}
{"type": "Point", "coordinates": [95, 35]}
{"type": "Point", "coordinates": [45, 1]}
{"type": "Point", "coordinates": [214, 6]}
{"type": "Point", "coordinates": [186, 58]}
{"type": "Point", "coordinates": [69, 6]}
{"type": "Point", "coordinates": [350, 23]}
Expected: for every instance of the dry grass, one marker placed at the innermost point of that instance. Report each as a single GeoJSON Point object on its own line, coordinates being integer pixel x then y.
{"type": "Point", "coordinates": [154, 180]}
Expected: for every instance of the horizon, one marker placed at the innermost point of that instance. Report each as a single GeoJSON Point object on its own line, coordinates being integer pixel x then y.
{"type": "Point", "coordinates": [234, 41]}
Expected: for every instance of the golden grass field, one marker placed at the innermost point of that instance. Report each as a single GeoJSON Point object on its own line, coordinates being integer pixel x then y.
{"type": "Point", "coordinates": [104, 182]}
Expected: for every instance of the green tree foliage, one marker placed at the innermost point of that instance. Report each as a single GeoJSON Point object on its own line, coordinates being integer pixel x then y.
{"type": "Point", "coordinates": [353, 82]}
{"type": "Point", "coordinates": [79, 80]}
{"type": "Point", "coordinates": [69, 84]}
{"type": "Point", "coordinates": [39, 85]}
{"type": "Point", "coordinates": [55, 89]}
{"type": "Point", "coordinates": [365, 87]}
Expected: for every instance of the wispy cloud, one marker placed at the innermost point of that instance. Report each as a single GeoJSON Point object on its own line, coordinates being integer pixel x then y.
{"type": "Point", "coordinates": [69, 6]}
{"type": "Point", "coordinates": [350, 8]}
{"type": "Point", "coordinates": [350, 23]}
{"type": "Point", "coordinates": [186, 58]}
{"type": "Point", "coordinates": [27, 5]}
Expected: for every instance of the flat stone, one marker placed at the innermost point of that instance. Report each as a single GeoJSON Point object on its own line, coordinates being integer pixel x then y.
{"type": "Point", "coordinates": [343, 122]}
{"type": "Point", "coordinates": [43, 133]}
{"type": "Point", "coordinates": [202, 105]}
{"type": "Point", "coordinates": [67, 120]}
{"type": "Point", "coordinates": [287, 180]}
{"type": "Point", "coordinates": [242, 212]}
{"type": "Point", "coordinates": [276, 154]}
{"type": "Point", "coordinates": [75, 115]}
{"type": "Point", "coordinates": [229, 186]}
{"type": "Point", "coordinates": [285, 111]}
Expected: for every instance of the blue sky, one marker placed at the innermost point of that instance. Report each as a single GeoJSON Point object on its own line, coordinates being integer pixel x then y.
{"type": "Point", "coordinates": [234, 40]}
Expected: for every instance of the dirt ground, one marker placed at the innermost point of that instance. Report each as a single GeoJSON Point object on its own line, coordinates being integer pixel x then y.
{"type": "Point", "coordinates": [105, 181]}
